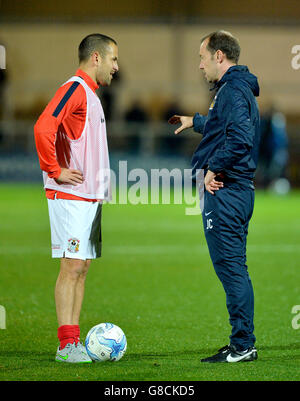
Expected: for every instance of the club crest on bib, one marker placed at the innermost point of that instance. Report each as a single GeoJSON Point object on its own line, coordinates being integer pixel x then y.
{"type": "Point", "coordinates": [73, 246]}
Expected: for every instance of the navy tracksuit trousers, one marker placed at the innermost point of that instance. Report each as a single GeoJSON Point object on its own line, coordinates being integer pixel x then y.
{"type": "Point", "coordinates": [226, 216]}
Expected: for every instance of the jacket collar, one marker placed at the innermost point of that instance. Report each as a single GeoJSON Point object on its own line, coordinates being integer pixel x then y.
{"type": "Point", "coordinates": [230, 70]}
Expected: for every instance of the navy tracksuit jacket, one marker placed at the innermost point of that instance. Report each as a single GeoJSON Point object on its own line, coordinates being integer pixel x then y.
{"type": "Point", "coordinates": [230, 146]}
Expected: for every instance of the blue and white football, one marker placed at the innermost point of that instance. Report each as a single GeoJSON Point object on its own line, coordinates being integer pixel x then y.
{"type": "Point", "coordinates": [106, 342]}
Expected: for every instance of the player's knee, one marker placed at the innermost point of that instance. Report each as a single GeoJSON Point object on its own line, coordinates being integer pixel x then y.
{"type": "Point", "coordinates": [85, 268]}
{"type": "Point", "coordinates": [74, 268]}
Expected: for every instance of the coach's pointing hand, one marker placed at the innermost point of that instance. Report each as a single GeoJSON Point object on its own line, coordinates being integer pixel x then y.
{"type": "Point", "coordinates": [186, 122]}
{"type": "Point", "coordinates": [69, 176]}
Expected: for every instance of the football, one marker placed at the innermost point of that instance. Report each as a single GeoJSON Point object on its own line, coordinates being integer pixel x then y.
{"type": "Point", "coordinates": [106, 342]}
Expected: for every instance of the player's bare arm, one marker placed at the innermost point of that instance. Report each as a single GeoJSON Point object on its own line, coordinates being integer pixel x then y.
{"type": "Point", "coordinates": [185, 121]}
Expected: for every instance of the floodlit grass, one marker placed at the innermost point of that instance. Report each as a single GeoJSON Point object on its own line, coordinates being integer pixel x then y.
{"type": "Point", "coordinates": [155, 280]}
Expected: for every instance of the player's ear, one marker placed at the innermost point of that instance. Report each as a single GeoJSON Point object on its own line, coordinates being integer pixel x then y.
{"type": "Point", "coordinates": [96, 58]}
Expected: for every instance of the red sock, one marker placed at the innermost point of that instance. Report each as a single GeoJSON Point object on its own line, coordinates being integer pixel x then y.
{"type": "Point", "coordinates": [66, 335]}
{"type": "Point", "coordinates": [76, 333]}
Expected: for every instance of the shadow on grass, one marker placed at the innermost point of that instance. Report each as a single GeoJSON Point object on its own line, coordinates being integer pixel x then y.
{"type": "Point", "coordinates": [43, 356]}
{"type": "Point", "coordinates": [198, 353]}
{"type": "Point", "coordinates": [40, 356]}
{"type": "Point", "coordinates": [37, 356]}
{"type": "Point", "coordinates": [174, 354]}
{"type": "Point", "coordinates": [287, 347]}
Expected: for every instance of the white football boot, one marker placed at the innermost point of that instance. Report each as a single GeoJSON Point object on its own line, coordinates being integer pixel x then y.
{"type": "Point", "coordinates": [73, 353]}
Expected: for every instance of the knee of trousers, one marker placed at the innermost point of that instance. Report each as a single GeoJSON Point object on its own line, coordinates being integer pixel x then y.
{"type": "Point", "coordinates": [234, 278]}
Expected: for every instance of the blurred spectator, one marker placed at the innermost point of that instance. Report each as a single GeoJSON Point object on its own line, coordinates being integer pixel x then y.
{"type": "Point", "coordinates": [136, 113]}
{"type": "Point", "coordinates": [171, 143]}
{"type": "Point", "coordinates": [274, 154]}
{"type": "Point", "coordinates": [136, 117]}
{"type": "Point", "coordinates": [171, 109]}
{"type": "Point", "coordinates": [3, 82]}
{"type": "Point", "coordinates": [3, 79]}
{"type": "Point", "coordinates": [108, 98]}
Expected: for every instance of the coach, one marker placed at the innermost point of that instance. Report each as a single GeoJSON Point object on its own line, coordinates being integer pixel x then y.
{"type": "Point", "coordinates": [228, 154]}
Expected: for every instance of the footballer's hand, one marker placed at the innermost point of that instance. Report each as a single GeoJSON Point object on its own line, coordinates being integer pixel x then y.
{"type": "Point", "coordinates": [211, 184]}
{"type": "Point", "coordinates": [70, 176]}
{"type": "Point", "coordinates": [185, 121]}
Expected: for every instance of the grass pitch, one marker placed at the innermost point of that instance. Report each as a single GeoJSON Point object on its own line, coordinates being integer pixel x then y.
{"type": "Point", "coordinates": [155, 280]}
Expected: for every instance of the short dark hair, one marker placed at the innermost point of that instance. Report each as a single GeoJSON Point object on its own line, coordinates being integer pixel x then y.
{"type": "Point", "coordinates": [95, 41]}
{"type": "Point", "coordinates": [224, 41]}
